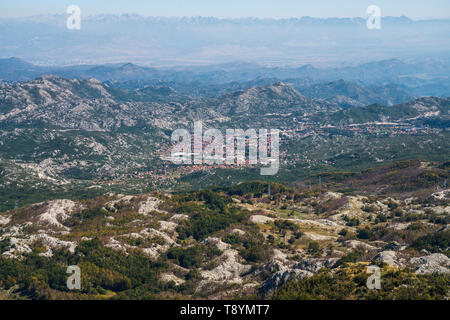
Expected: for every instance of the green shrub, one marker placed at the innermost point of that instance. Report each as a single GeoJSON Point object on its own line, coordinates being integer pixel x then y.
{"type": "Point", "coordinates": [364, 233]}
{"type": "Point", "coordinates": [436, 242]}
{"type": "Point", "coordinates": [205, 222]}
{"type": "Point", "coordinates": [185, 257]}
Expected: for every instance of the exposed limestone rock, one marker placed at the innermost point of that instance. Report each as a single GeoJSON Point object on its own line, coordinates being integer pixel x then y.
{"type": "Point", "coordinates": [433, 263]}
{"type": "Point", "coordinates": [15, 231]}
{"type": "Point", "coordinates": [149, 232]}
{"type": "Point", "coordinates": [170, 277]}
{"type": "Point", "coordinates": [54, 243]}
{"type": "Point", "coordinates": [326, 222]}
{"type": "Point", "coordinates": [389, 257]}
{"type": "Point", "coordinates": [280, 278]}
{"type": "Point", "coordinates": [315, 264]}
{"type": "Point", "coordinates": [57, 211]}
{"type": "Point", "coordinates": [442, 194]}
{"type": "Point", "coordinates": [4, 220]}
{"type": "Point", "coordinates": [351, 210]}
{"type": "Point", "coordinates": [149, 205]}
{"type": "Point", "coordinates": [229, 268]}
{"type": "Point", "coordinates": [18, 247]}
{"type": "Point", "coordinates": [179, 217]}
{"type": "Point", "coordinates": [157, 249]}
{"type": "Point", "coordinates": [168, 226]}
{"type": "Point", "coordinates": [319, 237]}
{"type": "Point", "coordinates": [332, 195]}
{"type": "Point", "coordinates": [114, 244]}
{"type": "Point", "coordinates": [399, 226]}
{"type": "Point", "coordinates": [321, 223]}
{"type": "Point", "coordinates": [395, 246]}
{"type": "Point", "coordinates": [259, 219]}
{"type": "Point", "coordinates": [358, 244]}
{"type": "Point", "coordinates": [282, 271]}
{"type": "Point", "coordinates": [217, 242]}
{"type": "Point", "coordinates": [23, 245]}
{"type": "Point", "coordinates": [238, 232]}
{"type": "Point", "coordinates": [110, 206]}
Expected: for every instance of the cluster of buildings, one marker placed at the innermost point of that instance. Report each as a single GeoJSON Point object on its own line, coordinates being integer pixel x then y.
{"type": "Point", "coordinates": [167, 175]}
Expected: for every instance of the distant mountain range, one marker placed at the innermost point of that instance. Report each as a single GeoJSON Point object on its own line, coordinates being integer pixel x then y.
{"type": "Point", "coordinates": [350, 94]}
{"type": "Point", "coordinates": [386, 82]}
{"type": "Point", "coordinates": [409, 72]}
{"type": "Point", "coordinates": [204, 40]}
{"type": "Point", "coordinates": [93, 105]}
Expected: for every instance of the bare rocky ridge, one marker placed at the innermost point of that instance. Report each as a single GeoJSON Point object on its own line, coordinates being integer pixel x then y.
{"type": "Point", "coordinates": [58, 133]}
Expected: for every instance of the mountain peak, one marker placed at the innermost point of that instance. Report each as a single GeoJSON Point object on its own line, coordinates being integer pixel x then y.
{"type": "Point", "coordinates": [50, 77]}
{"type": "Point", "coordinates": [283, 90]}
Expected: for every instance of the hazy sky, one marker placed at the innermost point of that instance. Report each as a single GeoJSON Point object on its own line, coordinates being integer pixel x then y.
{"type": "Point", "coordinates": [416, 9]}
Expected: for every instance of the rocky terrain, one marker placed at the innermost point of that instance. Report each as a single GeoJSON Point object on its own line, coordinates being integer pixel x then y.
{"type": "Point", "coordinates": [62, 136]}
{"type": "Point", "coordinates": [93, 106]}
{"type": "Point", "coordinates": [84, 181]}
{"type": "Point", "coordinates": [233, 242]}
